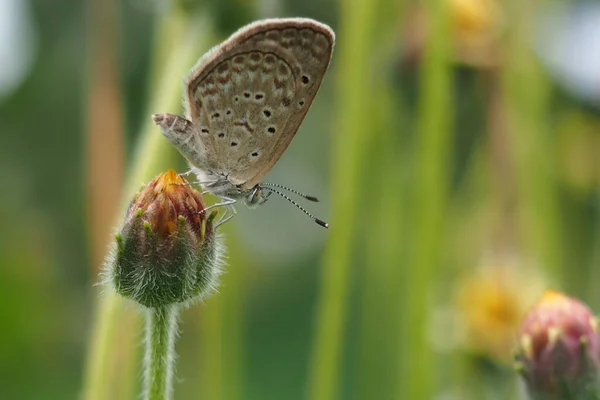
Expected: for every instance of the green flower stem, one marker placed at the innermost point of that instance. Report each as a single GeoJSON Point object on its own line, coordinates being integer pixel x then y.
{"type": "Point", "coordinates": [159, 362]}
{"type": "Point", "coordinates": [176, 49]}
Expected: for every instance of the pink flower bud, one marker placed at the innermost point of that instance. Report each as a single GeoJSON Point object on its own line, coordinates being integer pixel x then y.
{"type": "Point", "coordinates": [558, 348]}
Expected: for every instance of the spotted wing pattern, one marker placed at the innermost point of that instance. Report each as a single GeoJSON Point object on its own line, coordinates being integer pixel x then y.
{"type": "Point", "coordinates": [248, 96]}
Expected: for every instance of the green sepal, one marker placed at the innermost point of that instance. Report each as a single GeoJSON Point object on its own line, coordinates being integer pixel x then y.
{"type": "Point", "coordinates": [155, 272]}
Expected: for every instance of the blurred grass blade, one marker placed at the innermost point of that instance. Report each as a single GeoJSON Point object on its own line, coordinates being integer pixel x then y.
{"type": "Point", "coordinates": [381, 280]}
{"type": "Point", "coordinates": [105, 146]}
{"type": "Point", "coordinates": [381, 275]}
{"type": "Point", "coordinates": [352, 131]}
{"type": "Point", "coordinates": [105, 138]}
{"type": "Point", "coordinates": [221, 353]}
{"type": "Point", "coordinates": [432, 177]}
{"type": "Point", "coordinates": [527, 94]}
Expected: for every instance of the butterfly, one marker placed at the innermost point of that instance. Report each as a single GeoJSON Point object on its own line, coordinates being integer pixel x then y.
{"type": "Point", "coordinates": [244, 102]}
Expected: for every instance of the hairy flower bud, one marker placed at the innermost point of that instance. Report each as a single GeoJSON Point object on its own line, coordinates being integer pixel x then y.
{"type": "Point", "coordinates": [559, 349]}
{"type": "Point", "coordinates": [167, 250]}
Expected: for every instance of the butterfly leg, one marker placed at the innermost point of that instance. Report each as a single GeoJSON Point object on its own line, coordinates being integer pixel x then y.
{"type": "Point", "coordinates": [229, 209]}
{"type": "Point", "coordinates": [205, 185]}
{"type": "Point", "coordinates": [224, 218]}
{"type": "Point", "coordinates": [224, 203]}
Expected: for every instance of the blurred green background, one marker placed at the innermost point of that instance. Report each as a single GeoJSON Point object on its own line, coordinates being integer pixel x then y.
{"type": "Point", "coordinates": [454, 144]}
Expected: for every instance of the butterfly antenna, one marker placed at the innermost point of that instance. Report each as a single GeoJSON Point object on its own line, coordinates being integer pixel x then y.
{"type": "Point", "coordinates": [307, 197]}
{"type": "Point", "coordinates": [317, 220]}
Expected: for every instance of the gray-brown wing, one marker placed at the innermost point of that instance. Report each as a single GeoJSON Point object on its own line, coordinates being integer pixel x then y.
{"type": "Point", "coordinates": [248, 96]}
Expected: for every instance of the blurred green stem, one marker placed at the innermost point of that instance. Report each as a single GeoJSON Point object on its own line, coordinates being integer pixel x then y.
{"type": "Point", "coordinates": [176, 49]}
{"type": "Point", "coordinates": [595, 264]}
{"type": "Point", "coordinates": [527, 99]}
{"type": "Point", "coordinates": [381, 275]}
{"type": "Point", "coordinates": [350, 146]}
{"type": "Point", "coordinates": [161, 331]}
{"type": "Point", "coordinates": [382, 280]}
{"type": "Point", "coordinates": [434, 147]}
{"type": "Point", "coordinates": [221, 374]}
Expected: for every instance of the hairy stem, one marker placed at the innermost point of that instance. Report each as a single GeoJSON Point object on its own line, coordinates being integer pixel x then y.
{"type": "Point", "coordinates": [159, 362]}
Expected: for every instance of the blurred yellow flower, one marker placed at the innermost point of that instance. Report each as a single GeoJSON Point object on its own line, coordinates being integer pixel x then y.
{"type": "Point", "coordinates": [476, 26]}
{"type": "Point", "coordinates": [475, 21]}
{"type": "Point", "coordinates": [490, 306]}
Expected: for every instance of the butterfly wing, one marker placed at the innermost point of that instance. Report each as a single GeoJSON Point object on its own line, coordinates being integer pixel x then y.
{"type": "Point", "coordinates": [248, 96]}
